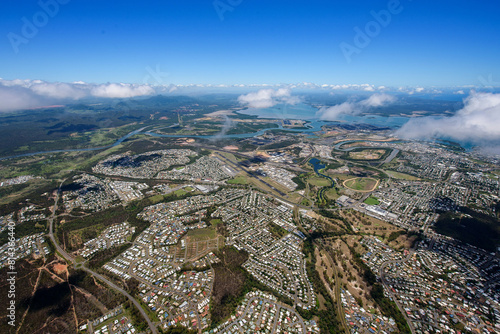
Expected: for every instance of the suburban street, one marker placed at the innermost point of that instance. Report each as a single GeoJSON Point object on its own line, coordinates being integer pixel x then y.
{"type": "Point", "coordinates": [71, 260]}
{"type": "Point", "coordinates": [384, 282]}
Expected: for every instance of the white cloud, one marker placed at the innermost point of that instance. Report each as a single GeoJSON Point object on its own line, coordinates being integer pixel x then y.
{"type": "Point", "coordinates": [17, 97]}
{"type": "Point", "coordinates": [354, 108]}
{"type": "Point", "coordinates": [477, 123]}
{"type": "Point", "coordinates": [378, 100]}
{"type": "Point", "coordinates": [266, 98]}
{"type": "Point", "coordinates": [41, 93]}
{"type": "Point", "coordinates": [59, 90]}
{"type": "Point", "coordinates": [412, 90]}
{"type": "Point", "coordinates": [121, 90]}
{"type": "Point", "coordinates": [332, 113]}
{"type": "Point", "coordinates": [23, 94]}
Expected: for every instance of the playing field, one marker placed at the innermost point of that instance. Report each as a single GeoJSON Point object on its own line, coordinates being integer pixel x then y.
{"type": "Point", "coordinates": [361, 184]}
{"type": "Point", "coordinates": [319, 181]}
{"type": "Point", "coordinates": [401, 176]}
{"type": "Point", "coordinates": [368, 154]}
{"type": "Point", "coordinates": [180, 192]}
{"type": "Point", "coordinates": [238, 180]}
{"type": "Point", "coordinates": [372, 201]}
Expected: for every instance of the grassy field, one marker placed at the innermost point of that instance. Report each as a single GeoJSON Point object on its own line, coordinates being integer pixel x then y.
{"type": "Point", "coordinates": [367, 224]}
{"type": "Point", "coordinates": [229, 156]}
{"type": "Point", "coordinates": [20, 191]}
{"type": "Point", "coordinates": [372, 201]}
{"type": "Point", "coordinates": [202, 234]}
{"type": "Point", "coordinates": [180, 192]}
{"type": "Point", "coordinates": [401, 176]}
{"type": "Point", "coordinates": [368, 154]}
{"type": "Point", "coordinates": [319, 181]}
{"type": "Point", "coordinates": [294, 197]}
{"type": "Point", "coordinates": [332, 194]}
{"type": "Point", "coordinates": [76, 238]}
{"type": "Point", "coordinates": [305, 202]}
{"type": "Point", "coordinates": [216, 222]}
{"type": "Point", "coordinates": [238, 180]}
{"type": "Point", "coordinates": [361, 184]}
{"type": "Point", "coordinates": [156, 199]}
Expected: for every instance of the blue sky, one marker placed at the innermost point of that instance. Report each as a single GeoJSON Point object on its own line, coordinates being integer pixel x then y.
{"type": "Point", "coordinates": [427, 43]}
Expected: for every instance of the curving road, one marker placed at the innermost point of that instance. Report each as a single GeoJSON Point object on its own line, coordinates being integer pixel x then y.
{"type": "Point", "coordinates": [386, 286]}
{"type": "Point", "coordinates": [69, 258]}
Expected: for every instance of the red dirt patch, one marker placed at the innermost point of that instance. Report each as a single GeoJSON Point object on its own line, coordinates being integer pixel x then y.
{"type": "Point", "coordinates": [60, 268]}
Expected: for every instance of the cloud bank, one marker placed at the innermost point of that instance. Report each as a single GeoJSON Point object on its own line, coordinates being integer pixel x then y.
{"type": "Point", "coordinates": [478, 123]}
{"type": "Point", "coordinates": [16, 98]}
{"type": "Point", "coordinates": [121, 90]}
{"type": "Point", "coordinates": [266, 98]}
{"type": "Point", "coordinates": [354, 108]}
{"type": "Point", "coordinates": [25, 94]}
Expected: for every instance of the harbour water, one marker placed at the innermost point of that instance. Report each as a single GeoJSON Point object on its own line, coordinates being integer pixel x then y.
{"type": "Point", "coordinates": [306, 112]}
{"type": "Point", "coordinates": [281, 111]}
